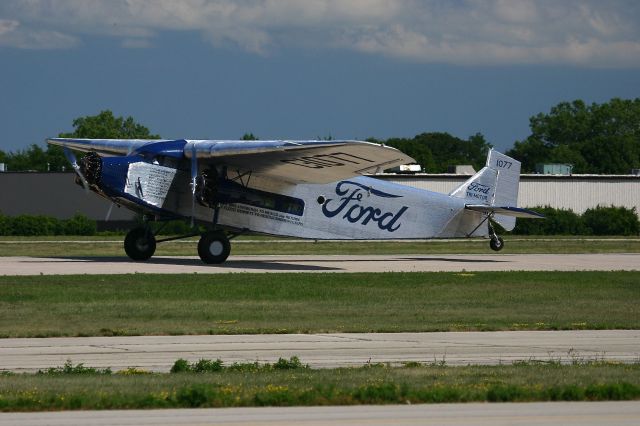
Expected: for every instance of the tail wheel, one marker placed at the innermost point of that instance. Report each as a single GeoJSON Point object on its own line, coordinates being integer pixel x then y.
{"type": "Point", "coordinates": [496, 243]}
{"type": "Point", "coordinates": [214, 247]}
{"type": "Point", "coordinates": [140, 244]}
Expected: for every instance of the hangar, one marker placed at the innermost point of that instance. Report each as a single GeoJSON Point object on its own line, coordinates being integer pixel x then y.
{"type": "Point", "coordinates": [55, 194]}
{"type": "Point", "coordinates": [574, 192]}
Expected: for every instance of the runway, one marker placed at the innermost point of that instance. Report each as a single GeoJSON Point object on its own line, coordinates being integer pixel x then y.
{"type": "Point", "coordinates": [323, 263]}
{"type": "Point", "coordinates": [158, 353]}
{"type": "Point", "coordinates": [496, 414]}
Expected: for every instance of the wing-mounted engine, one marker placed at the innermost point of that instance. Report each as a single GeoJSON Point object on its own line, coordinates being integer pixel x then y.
{"type": "Point", "coordinates": [214, 188]}
{"type": "Point", "coordinates": [207, 188]}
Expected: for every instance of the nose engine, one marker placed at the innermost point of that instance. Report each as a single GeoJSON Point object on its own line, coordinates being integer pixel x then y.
{"type": "Point", "coordinates": [91, 169]}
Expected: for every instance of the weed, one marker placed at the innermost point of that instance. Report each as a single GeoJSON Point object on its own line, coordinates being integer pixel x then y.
{"type": "Point", "coordinates": [209, 366]}
{"type": "Point", "coordinates": [291, 364]}
{"type": "Point", "coordinates": [263, 385]}
{"type": "Point", "coordinates": [69, 369]}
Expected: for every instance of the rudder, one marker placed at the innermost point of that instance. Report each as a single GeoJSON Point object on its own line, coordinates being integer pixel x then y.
{"type": "Point", "coordinates": [496, 184]}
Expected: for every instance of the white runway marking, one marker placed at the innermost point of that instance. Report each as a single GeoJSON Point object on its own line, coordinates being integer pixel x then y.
{"type": "Point", "coordinates": [323, 263]}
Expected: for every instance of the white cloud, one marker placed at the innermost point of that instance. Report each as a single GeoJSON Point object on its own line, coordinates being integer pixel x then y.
{"type": "Point", "coordinates": [580, 32]}
{"type": "Point", "coordinates": [7, 26]}
{"type": "Point", "coordinates": [14, 35]}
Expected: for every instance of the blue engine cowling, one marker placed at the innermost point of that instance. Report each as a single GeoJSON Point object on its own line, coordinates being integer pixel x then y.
{"type": "Point", "coordinates": [108, 175]}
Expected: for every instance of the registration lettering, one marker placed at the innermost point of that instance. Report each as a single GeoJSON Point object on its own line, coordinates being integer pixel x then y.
{"type": "Point", "coordinates": [322, 161]}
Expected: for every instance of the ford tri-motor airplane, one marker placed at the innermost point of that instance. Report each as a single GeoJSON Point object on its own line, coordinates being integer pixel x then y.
{"type": "Point", "coordinates": [307, 189]}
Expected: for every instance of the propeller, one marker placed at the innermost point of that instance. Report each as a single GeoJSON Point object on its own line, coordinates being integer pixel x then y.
{"type": "Point", "coordinates": [108, 216]}
{"type": "Point", "coordinates": [74, 163]}
{"type": "Point", "coordinates": [194, 175]}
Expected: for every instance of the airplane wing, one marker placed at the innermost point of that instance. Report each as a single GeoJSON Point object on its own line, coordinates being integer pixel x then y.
{"type": "Point", "coordinates": [290, 161]}
{"type": "Point", "coordinates": [104, 146]}
{"type": "Point", "coordinates": [300, 161]}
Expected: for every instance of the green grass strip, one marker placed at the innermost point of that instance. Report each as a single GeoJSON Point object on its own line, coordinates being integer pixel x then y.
{"type": "Point", "coordinates": [139, 304]}
{"type": "Point", "coordinates": [378, 384]}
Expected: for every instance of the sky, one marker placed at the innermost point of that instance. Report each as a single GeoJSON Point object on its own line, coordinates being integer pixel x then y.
{"type": "Point", "coordinates": [293, 69]}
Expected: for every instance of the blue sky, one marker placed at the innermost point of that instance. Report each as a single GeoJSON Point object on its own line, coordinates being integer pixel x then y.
{"type": "Point", "coordinates": [305, 69]}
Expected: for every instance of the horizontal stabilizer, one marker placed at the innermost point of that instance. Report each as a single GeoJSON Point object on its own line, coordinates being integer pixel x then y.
{"type": "Point", "coordinates": [505, 211]}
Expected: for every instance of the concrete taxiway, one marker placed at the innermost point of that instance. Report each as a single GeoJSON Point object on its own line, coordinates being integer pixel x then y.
{"type": "Point", "coordinates": [530, 413]}
{"type": "Point", "coordinates": [323, 263]}
{"type": "Point", "coordinates": [158, 353]}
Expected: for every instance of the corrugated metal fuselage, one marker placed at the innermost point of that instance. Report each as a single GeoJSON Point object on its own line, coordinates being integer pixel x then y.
{"type": "Point", "coordinates": [355, 208]}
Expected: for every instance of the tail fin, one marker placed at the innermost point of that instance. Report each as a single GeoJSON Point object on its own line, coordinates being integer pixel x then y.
{"type": "Point", "coordinates": [496, 185]}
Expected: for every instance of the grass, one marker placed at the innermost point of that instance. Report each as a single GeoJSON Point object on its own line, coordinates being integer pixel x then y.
{"type": "Point", "coordinates": [377, 384]}
{"type": "Point", "coordinates": [139, 304]}
{"type": "Point", "coordinates": [112, 246]}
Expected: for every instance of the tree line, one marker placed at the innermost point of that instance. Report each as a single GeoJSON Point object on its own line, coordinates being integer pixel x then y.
{"type": "Point", "coordinates": [102, 126]}
{"type": "Point", "coordinates": [597, 138]}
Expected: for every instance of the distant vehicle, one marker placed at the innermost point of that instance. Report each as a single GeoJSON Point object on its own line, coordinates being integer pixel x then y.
{"type": "Point", "coordinates": [307, 189]}
{"type": "Point", "coordinates": [406, 168]}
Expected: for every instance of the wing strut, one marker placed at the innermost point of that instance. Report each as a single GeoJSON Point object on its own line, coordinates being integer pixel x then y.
{"type": "Point", "coordinates": [194, 175]}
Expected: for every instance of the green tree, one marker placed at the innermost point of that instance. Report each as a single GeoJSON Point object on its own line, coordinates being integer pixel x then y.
{"type": "Point", "coordinates": [596, 138]}
{"type": "Point", "coordinates": [102, 126]}
{"type": "Point", "coordinates": [249, 137]}
{"type": "Point", "coordinates": [418, 151]}
{"type": "Point", "coordinates": [56, 159]}
{"type": "Point", "coordinates": [435, 152]}
{"type": "Point", "coordinates": [32, 158]}
{"type": "Point", "coordinates": [106, 126]}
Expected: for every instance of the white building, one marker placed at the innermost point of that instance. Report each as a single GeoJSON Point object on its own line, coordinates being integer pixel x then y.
{"type": "Point", "coordinates": [575, 192]}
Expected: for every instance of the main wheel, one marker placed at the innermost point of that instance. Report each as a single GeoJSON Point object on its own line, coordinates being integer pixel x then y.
{"type": "Point", "coordinates": [214, 247]}
{"type": "Point", "coordinates": [496, 243]}
{"type": "Point", "coordinates": [140, 244]}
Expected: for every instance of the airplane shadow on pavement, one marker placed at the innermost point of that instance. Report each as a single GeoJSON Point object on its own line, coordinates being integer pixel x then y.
{"type": "Point", "coordinates": [290, 264]}
{"type": "Point", "coordinates": [229, 264]}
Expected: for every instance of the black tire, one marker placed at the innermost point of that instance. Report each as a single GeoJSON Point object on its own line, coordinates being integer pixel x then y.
{"type": "Point", "coordinates": [496, 244]}
{"type": "Point", "coordinates": [214, 247]}
{"type": "Point", "coordinates": [140, 244]}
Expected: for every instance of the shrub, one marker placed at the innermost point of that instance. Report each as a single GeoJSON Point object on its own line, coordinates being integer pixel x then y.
{"type": "Point", "coordinates": [556, 222]}
{"type": "Point", "coordinates": [80, 225]}
{"type": "Point", "coordinates": [181, 366]}
{"type": "Point", "coordinates": [170, 227]}
{"type": "Point", "coordinates": [194, 396]}
{"type": "Point", "coordinates": [292, 363]}
{"type": "Point", "coordinates": [29, 225]}
{"type": "Point", "coordinates": [5, 225]}
{"type": "Point", "coordinates": [69, 369]}
{"type": "Point", "coordinates": [35, 225]}
{"type": "Point", "coordinates": [207, 365]}
{"type": "Point", "coordinates": [612, 221]}
{"type": "Point", "coordinates": [173, 227]}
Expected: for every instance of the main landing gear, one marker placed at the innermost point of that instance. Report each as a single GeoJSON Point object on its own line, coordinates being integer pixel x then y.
{"type": "Point", "coordinates": [496, 243]}
{"type": "Point", "coordinates": [213, 247]}
{"type": "Point", "coordinates": [140, 243]}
